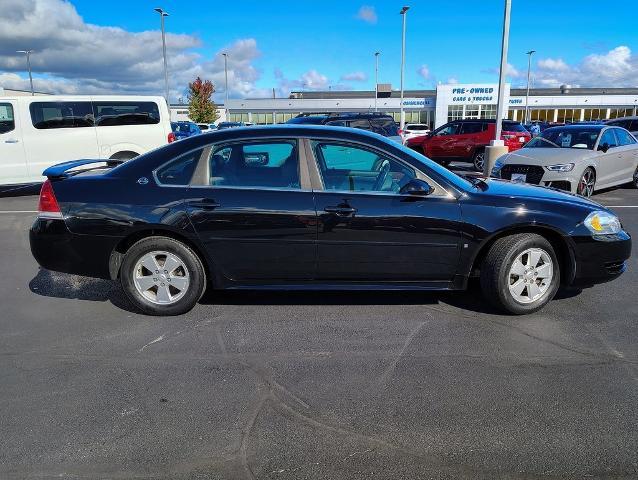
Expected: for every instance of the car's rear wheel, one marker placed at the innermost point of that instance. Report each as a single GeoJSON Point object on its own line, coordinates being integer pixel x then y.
{"type": "Point", "coordinates": [478, 159]}
{"type": "Point", "coordinates": [635, 181]}
{"type": "Point", "coordinates": [520, 273]}
{"type": "Point", "coordinates": [162, 276]}
{"type": "Point", "coordinates": [587, 183]}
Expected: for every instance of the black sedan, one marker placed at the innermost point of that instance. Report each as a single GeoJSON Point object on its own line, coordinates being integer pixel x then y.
{"type": "Point", "coordinates": [307, 207]}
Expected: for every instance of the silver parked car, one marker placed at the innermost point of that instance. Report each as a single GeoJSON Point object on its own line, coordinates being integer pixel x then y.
{"type": "Point", "coordinates": [576, 158]}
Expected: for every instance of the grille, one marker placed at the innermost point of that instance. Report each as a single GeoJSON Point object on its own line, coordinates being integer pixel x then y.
{"type": "Point", "coordinates": [614, 268]}
{"type": "Point", "coordinates": [534, 173]}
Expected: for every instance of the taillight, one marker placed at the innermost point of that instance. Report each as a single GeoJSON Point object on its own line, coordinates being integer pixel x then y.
{"type": "Point", "coordinates": [400, 132]}
{"type": "Point", "coordinates": [171, 137]}
{"type": "Point", "coordinates": [48, 206]}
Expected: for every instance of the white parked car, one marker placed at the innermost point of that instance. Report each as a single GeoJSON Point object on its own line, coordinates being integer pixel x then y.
{"type": "Point", "coordinates": [412, 130]}
{"type": "Point", "coordinates": [577, 158]}
{"type": "Point", "coordinates": [37, 132]}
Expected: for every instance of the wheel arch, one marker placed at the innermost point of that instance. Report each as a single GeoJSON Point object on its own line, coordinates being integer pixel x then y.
{"type": "Point", "coordinates": [124, 155]}
{"type": "Point", "coordinates": [564, 251]}
{"type": "Point", "coordinates": [118, 252]}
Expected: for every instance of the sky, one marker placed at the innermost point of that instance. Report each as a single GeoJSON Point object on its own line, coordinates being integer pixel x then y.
{"type": "Point", "coordinates": [91, 46]}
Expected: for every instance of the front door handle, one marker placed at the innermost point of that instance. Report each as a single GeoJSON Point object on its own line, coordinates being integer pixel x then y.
{"type": "Point", "coordinates": [11, 140]}
{"type": "Point", "coordinates": [203, 203]}
{"type": "Point", "coordinates": [342, 211]}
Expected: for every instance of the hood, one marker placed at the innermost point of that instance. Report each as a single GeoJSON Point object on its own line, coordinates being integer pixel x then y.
{"type": "Point", "coordinates": [546, 156]}
{"type": "Point", "coordinates": [523, 191]}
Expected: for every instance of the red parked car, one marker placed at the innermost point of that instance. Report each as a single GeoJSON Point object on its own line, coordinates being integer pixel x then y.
{"type": "Point", "coordinates": [465, 140]}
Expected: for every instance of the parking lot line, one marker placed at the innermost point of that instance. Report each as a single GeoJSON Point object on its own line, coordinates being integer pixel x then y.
{"type": "Point", "coordinates": [18, 211]}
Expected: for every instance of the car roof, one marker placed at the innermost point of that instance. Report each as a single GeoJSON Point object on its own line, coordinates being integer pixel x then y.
{"type": "Point", "coordinates": [631, 117]}
{"type": "Point", "coordinates": [579, 126]}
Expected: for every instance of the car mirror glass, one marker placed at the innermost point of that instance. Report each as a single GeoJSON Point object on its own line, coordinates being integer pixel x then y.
{"type": "Point", "coordinates": [604, 147]}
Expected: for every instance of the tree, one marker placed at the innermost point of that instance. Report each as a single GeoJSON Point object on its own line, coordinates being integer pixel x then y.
{"type": "Point", "coordinates": [201, 107]}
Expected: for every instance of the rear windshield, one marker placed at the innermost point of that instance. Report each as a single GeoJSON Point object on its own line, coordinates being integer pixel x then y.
{"type": "Point", "coordinates": [385, 126]}
{"type": "Point", "coordinates": [417, 127]}
{"type": "Point", "coordinates": [513, 127]}
{"type": "Point", "coordinates": [566, 138]}
{"type": "Point", "coordinates": [310, 120]}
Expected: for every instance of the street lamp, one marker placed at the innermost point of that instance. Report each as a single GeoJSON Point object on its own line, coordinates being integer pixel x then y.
{"type": "Point", "coordinates": [28, 54]}
{"type": "Point", "coordinates": [402, 114]}
{"type": "Point", "coordinates": [162, 15]}
{"type": "Point", "coordinates": [501, 73]}
{"type": "Point", "coordinates": [376, 78]}
{"type": "Point", "coordinates": [529, 67]}
{"type": "Point", "coordinates": [226, 77]}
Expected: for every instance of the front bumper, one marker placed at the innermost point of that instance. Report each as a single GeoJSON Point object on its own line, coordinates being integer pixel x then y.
{"type": "Point", "coordinates": [538, 175]}
{"type": "Point", "coordinates": [55, 248]}
{"type": "Point", "coordinates": [600, 258]}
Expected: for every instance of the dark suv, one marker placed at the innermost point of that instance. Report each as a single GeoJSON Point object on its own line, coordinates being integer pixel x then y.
{"type": "Point", "coordinates": [380, 123]}
{"type": "Point", "coordinates": [465, 140]}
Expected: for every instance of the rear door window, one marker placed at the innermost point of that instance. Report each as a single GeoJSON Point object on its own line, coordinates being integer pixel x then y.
{"type": "Point", "coordinates": [7, 120]}
{"type": "Point", "coordinates": [46, 115]}
{"type": "Point", "coordinates": [473, 127]}
{"type": "Point", "coordinates": [125, 113]}
{"type": "Point", "coordinates": [624, 137]}
{"type": "Point", "coordinates": [273, 164]}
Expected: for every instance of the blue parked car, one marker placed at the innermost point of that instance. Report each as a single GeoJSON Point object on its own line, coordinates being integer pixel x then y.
{"type": "Point", "coordinates": [185, 129]}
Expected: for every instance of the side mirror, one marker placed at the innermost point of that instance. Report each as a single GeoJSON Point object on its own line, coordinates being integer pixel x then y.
{"type": "Point", "coordinates": [416, 188]}
{"type": "Point", "coordinates": [604, 147]}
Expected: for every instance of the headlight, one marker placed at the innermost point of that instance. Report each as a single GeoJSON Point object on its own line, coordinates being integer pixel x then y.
{"type": "Point", "coordinates": [561, 167]}
{"type": "Point", "coordinates": [602, 223]}
{"type": "Point", "coordinates": [496, 169]}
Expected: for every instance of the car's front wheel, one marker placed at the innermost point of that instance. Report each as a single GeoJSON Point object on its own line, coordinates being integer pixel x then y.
{"type": "Point", "coordinates": [479, 160]}
{"type": "Point", "coordinates": [587, 183]}
{"type": "Point", "coordinates": [520, 273]}
{"type": "Point", "coordinates": [635, 180]}
{"type": "Point", "coordinates": [162, 276]}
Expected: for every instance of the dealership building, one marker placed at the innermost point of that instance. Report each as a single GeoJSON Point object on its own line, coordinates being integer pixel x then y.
{"type": "Point", "coordinates": [445, 103]}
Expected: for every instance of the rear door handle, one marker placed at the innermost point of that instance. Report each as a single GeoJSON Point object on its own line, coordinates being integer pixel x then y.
{"type": "Point", "coordinates": [344, 211]}
{"type": "Point", "coordinates": [204, 203]}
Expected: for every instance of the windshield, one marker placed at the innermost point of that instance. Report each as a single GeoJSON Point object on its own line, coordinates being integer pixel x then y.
{"type": "Point", "coordinates": [584, 138]}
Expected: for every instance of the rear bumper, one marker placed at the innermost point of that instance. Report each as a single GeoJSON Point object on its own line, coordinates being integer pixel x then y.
{"type": "Point", "coordinates": [57, 249]}
{"type": "Point", "coordinates": [600, 258]}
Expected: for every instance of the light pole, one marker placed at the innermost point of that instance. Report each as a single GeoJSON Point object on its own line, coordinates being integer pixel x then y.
{"type": "Point", "coordinates": [402, 114]}
{"type": "Point", "coordinates": [28, 54]}
{"type": "Point", "coordinates": [529, 68]}
{"type": "Point", "coordinates": [376, 78]}
{"type": "Point", "coordinates": [226, 78]}
{"type": "Point", "coordinates": [501, 73]}
{"type": "Point", "coordinates": [162, 15]}
{"type": "Point", "coordinates": [497, 146]}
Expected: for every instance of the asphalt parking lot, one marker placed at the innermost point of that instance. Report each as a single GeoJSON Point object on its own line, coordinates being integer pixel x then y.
{"type": "Point", "coordinates": [312, 385]}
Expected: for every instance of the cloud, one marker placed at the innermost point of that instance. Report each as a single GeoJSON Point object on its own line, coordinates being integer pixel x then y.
{"type": "Point", "coordinates": [310, 80]}
{"type": "Point", "coordinates": [452, 81]}
{"type": "Point", "coordinates": [354, 77]}
{"type": "Point", "coordinates": [72, 56]}
{"type": "Point", "coordinates": [616, 68]}
{"type": "Point", "coordinates": [424, 71]}
{"type": "Point", "coordinates": [368, 14]}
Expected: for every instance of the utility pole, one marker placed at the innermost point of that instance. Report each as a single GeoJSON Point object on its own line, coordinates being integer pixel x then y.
{"type": "Point", "coordinates": [529, 68]}
{"type": "Point", "coordinates": [162, 15]}
{"type": "Point", "coordinates": [376, 78]}
{"type": "Point", "coordinates": [403, 13]}
{"type": "Point", "coordinates": [28, 54]}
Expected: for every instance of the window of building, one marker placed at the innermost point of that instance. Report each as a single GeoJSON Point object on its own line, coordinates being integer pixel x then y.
{"type": "Point", "coordinates": [454, 112]}
{"type": "Point", "coordinates": [352, 168]}
{"type": "Point", "coordinates": [45, 115]}
{"type": "Point", "coordinates": [179, 171]}
{"type": "Point", "coordinates": [125, 113]}
{"type": "Point", "coordinates": [488, 111]}
{"type": "Point", "coordinates": [256, 164]}
{"type": "Point", "coordinates": [472, 111]}
{"type": "Point", "coordinates": [7, 121]}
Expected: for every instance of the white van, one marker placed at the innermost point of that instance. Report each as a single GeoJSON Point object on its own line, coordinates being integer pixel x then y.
{"type": "Point", "coordinates": [37, 132]}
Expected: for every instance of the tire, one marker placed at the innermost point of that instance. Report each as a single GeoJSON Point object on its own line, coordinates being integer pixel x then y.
{"type": "Point", "coordinates": [635, 179]}
{"type": "Point", "coordinates": [478, 159]}
{"type": "Point", "coordinates": [587, 183]}
{"type": "Point", "coordinates": [499, 280]}
{"type": "Point", "coordinates": [170, 292]}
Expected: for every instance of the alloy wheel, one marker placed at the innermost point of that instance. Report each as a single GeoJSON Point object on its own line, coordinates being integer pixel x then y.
{"type": "Point", "coordinates": [636, 178]}
{"type": "Point", "coordinates": [587, 182]}
{"type": "Point", "coordinates": [530, 275]}
{"type": "Point", "coordinates": [161, 277]}
{"type": "Point", "coordinates": [479, 161]}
